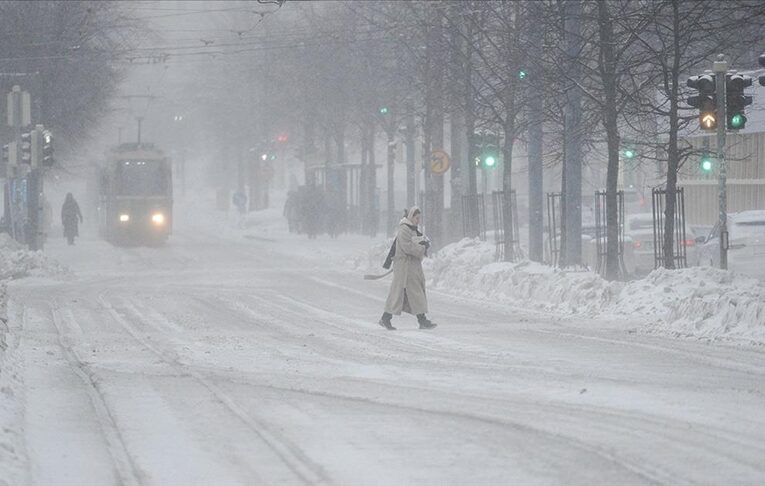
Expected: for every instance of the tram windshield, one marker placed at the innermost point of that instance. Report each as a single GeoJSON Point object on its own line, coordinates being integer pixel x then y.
{"type": "Point", "coordinates": [141, 178]}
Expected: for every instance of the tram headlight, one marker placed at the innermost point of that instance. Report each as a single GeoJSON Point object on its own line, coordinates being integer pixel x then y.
{"type": "Point", "coordinates": [124, 218]}
{"type": "Point", "coordinates": [158, 219]}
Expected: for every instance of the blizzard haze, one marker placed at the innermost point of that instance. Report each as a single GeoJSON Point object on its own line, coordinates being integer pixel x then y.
{"type": "Point", "coordinates": [196, 294]}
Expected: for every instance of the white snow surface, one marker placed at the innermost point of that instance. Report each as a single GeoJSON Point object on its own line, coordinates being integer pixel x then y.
{"type": "Point", "coordinates": [241, 354]}
{"type": "Point", "coordinates": [696, 302]}
{"type": "Point", "coordinates": [15, 263]}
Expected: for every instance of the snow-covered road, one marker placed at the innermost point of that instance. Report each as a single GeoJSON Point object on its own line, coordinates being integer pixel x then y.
{"type": "Point", "coordinates": [237, 361]}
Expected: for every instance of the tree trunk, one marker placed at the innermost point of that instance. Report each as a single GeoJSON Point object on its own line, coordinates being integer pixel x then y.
{"type": "Point", "coordinates": [373, 205]}
{"type": "Point", "coordinates": [410, 162]}
{"type": "Point", "coordinates": [391, 207]}
{"type": "Point", "coordinates": [535, 162]}
{"type": "Point", "coordinates": [673, 156]}
{"type": "Point", "coordinates": [608, 74]}
{"type": "Point", "coordinates": [571, 200]}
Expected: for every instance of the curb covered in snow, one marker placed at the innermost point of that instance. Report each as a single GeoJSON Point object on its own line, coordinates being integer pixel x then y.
{"type": "Point", "coordinates": [699, 302]}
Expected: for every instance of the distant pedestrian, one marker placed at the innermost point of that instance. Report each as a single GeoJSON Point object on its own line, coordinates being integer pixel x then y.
{"type": "Point", "coordinates": [239, 199]}
{"type": "Point", "coordinates": [407, 291]}
{"type": "Point", "coordinates": [291, 211]}
{"type": "Point", "coordinates": [70, 218]}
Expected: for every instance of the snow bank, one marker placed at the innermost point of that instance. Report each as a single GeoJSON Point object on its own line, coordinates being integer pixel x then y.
{"type": "Point", "coordinates": [699, 302]}
{"type": "Point", "coordinates": [15, 263]}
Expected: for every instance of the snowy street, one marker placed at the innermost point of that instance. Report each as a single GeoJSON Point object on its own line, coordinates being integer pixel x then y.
{"type": "Point", "coordinates": [239, 361]}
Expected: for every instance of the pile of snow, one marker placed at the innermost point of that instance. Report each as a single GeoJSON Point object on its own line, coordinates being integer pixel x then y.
{"type": "Point", "coordinates": [11, 418]}
{"type": "Point", "coordinates": [698, 302]}
{"type": "Point", "coordinates": [468, 268]}
{"type": "Point", "coordinates": [16, 262]}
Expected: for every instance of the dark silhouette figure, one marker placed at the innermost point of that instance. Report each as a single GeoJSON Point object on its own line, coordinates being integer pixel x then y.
{"type": "Point", "coordinates": [70, 218]}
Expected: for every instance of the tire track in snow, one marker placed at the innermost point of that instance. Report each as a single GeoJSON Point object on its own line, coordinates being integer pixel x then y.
{"type": "Point", "coordinates": [125, 469]}
{"type": "Point", "coordinates": [655, 425]}
{"type": "Point", "coordinates": [718, 362]}
{"type": "Point", "coordinates": [293, 457]}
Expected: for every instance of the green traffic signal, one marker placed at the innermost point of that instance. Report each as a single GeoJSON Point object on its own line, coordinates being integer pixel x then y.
{"type": "Point", "coordinates": [522, 74]}
{"type": "Point", "coordinates": [384, 110]}
{"type": "Point", "coordinates": [737, 121]}
{"type": "Point", "coordinates": [490, 161]}
{"type": "Point", "coordinates": [707, 164]}
{"type": "Point", "coordinates": [629, 153]}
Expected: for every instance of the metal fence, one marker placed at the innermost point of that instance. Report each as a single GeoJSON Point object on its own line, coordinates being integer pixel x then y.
{"type": "Point", "coordinates": [554, 228]}
{"type": "Point", "coordinates": [503, 241]}
{"type": "Point", "coordinates": [679, 255]}
{"type": "Point", "coordinates": [474, 216]}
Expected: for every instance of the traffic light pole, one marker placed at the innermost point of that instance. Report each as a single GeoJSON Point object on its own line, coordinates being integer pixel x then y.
{"type": "Point", "coordinates": [720, 68]}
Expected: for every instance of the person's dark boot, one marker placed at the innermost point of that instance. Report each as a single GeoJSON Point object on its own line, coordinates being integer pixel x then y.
{"type": "Point", "coordinates": [385, 321]}
{"type": "Point", "coordinates": [425, 323]}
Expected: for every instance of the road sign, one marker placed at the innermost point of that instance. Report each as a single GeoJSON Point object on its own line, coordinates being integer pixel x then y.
{"type": "Point", "coordinates": [439, 162]}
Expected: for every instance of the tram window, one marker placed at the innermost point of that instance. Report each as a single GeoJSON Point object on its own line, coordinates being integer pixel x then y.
{"type": "Point", "coordinates": [141, 178]}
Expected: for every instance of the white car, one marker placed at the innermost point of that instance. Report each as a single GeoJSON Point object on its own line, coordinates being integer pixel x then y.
{"type": "Point", "coordinates": [746, 244]}
{"type": "Point", "coordinates": [640, 230]}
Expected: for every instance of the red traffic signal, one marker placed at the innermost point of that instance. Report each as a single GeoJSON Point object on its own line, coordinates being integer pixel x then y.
{"type": "Point", "coordinates": [282, 138]}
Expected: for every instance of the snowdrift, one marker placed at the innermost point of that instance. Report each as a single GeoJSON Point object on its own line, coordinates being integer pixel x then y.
{"type": "Point", "coordinates": [699, 302]}
{"type": "Point", "coordinates": [15, 263]}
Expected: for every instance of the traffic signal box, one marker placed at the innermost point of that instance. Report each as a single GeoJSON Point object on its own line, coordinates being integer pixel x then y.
{"type": "Point", "coordinates": [736, 101]}
{"type": "Point", "coordinates": [761, 60]}
{"type": "Point", "coordinates": [705, 101]}
{"type": "Point", "coordinates": [485, 148]}
{"type": "Point", "coordinates": [36, 148]}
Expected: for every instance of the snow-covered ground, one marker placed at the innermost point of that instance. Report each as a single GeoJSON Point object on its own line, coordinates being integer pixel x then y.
{"type": "Point", "coordinates": [241, 354]}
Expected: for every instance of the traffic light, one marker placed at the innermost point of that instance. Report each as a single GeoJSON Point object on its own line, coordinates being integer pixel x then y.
{"type": "Point", "coordinates": [736, 100]}
{"type": "Point", "coordinates": [761, 60]}
{"type": "Point", "coordinates": [282, 138]}
{"type": "Point", "coordinates": [26, 148]}
{"type": "Point", "coordinates": [522, 74]}
{"type": "Point", "coordinates": [489, 151]}
{"type": "Point", "coordinates": [629, 152]}
{"type": "Point", "coordinates": [47, 148]}
{"type": "Point", "coordinates": [476, 144]}
{"type": "Point", "coordinates": [705, 101]}
{"type": "Point", "coordinates": [707, 163]}
{"type": "Point", "coordinates": [383, 110]}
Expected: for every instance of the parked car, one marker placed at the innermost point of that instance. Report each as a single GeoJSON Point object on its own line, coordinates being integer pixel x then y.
{"type": "Point", "coordinates": [746, 244]}
{"type": "Point", "coordinates": [640, 230]}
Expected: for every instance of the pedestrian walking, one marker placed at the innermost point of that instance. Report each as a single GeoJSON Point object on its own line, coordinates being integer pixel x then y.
{"type": "Point", "coordinates": [407, 291]}
{"type": "Point", "coordinates": [70, 218]}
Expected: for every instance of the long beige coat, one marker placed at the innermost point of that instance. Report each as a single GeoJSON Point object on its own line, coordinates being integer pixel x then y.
{"type": "Point", "coordinates": [407, 291]}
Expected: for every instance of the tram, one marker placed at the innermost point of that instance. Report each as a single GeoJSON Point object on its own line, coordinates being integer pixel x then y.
{"type": "Point", "coordinates": [135, 195]}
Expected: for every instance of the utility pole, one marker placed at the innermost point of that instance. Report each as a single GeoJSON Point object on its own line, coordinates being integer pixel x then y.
{"type": "Point", "coordinates": [720, 68]}
{"type": "Point", "coordinates": [139, 119]}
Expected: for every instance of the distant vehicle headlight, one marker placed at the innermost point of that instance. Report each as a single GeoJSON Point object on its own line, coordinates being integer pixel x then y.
{"type": "Point", "coordinates": [158, 218]}
{"type": "Point", "coordinates": [124, 218]}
